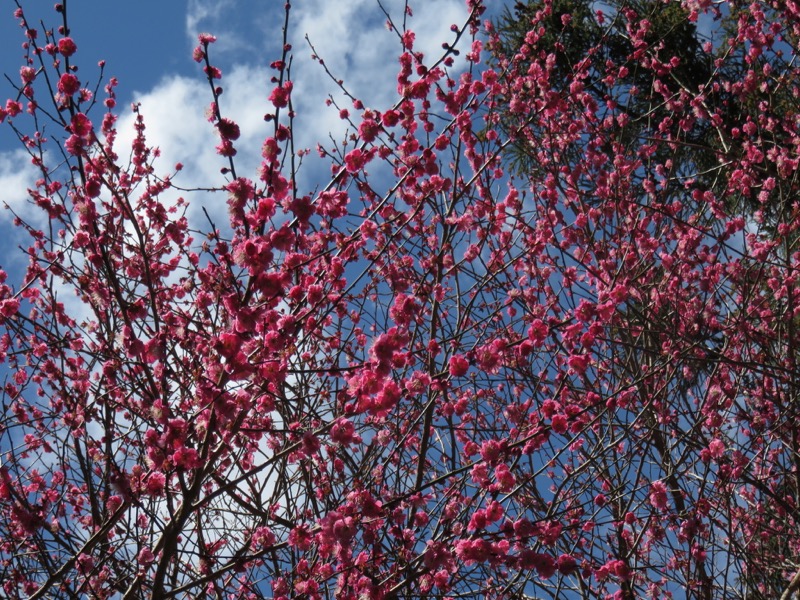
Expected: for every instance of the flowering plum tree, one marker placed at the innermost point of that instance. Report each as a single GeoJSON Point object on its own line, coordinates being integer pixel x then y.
{"type": "Point", "coordinates": [581, 382]}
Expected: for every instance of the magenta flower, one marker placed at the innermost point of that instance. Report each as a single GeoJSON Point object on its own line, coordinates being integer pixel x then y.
{"type": "Point", "coordinates": [368, 130]}
{"type": "Point", "coordinates": [67, 47]}
{"type": "Point", "coordinates": [228, 129]}
{"type": "Point", "coordinates": [560, 423]}
{"type": "Point", "coordinates": [459, 366]}
{"type": "Point", "coordinates": [68, 84]}
{"type": "Point", "coordinates": [355, 160]}
{"type": "Point", "coordinates": [658, 495]}
{"type": "Point", "coordinates": [145, 557]}
{"type": "Point", "coordinates": [81, 125]}
{"type": "Point", "coordinates": [27, 74]}
{"type": "Point", "coordinates": [155, 483]}
{"type": "Point", "coordinates": [390, 118]}
{"type": "Point", "coordinates": [280, 95]}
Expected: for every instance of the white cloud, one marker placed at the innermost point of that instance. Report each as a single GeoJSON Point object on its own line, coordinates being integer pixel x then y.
{"type": "Point", "coordinates": [17, 175]}
{"type": "Point", "coordinates": [350, 35]}
{"type": "Point", "coordinates": [175, 118]}
{"type": "Point", "coordinates": [210, 16]}
{"type": "Point", "coordinates": [352, 39]}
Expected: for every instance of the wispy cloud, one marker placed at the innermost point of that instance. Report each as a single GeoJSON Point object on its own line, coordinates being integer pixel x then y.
{"type": "Point", "coordinates": [357, 47]}
{"type": "Point", "coordinates": [244, 29]}
{"type": "Point", "coordinates": [211, 15]}
{"type": "Point", "coordinates": [17, 174]}
{"type": "Point", "coordinates": [175, 117]}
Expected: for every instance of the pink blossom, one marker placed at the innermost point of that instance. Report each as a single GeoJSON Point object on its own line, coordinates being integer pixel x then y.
{"type": "Point", "coordinates": [225, 148]}
{"type": "Point", "coordinates": [212, 72]}
{"type": "Point", "coordinates": [68, 84]}
{"type": "Point", "coordinates": [459, 366]}
{"type": "Point", "coordinates": [81, 125]}
{"type": "Point", "coordinates": [85, 563]}
{"type": "Point", "coordinates": [537, 332]}
{"type": "Point", "coordinates": [74, 145]}
{"type": "Point", "coordinates": [145, 557]}
{"type": "Point", "coordinates": [13, 108]}
{"type": "Point", "coordinates": [310, 443]}
{"type": "Point", "coordinates": [716, 448]}
{"type": "Point", "coordinates": [390, 118]}
{"type": "Point", "coordinates": [478, 520]}
{"type": "Point", "coordinates": [491, 451]}
{"type": "Point", "coordinates": [67, 47]}
{"type": "Point", "coordinates": [473, 551]}
{"type": "Point", "coordinates": [578, 363]}
{"type": "Point", "coordinates": [619, 568]}
{"type": "Point", "coordinates": [699, 553]}
{"type": "Point", "coordinates": [186, 458]}
{"type": "Point", "coordinates": [560, 423]}
{"type": "Point", "coordinates": [544, 564]}
{"type": "Point", "coordinates": [504, 477]}
{"type": "Point", "coordinates": [509, 346]}
{"type": "Point", "coordinates": [343, 432]}
{"type": "Point", "coordinates": [270, 149]}
{"type": "Point", "coordinates": [386, 399]}
{"type": "Point", "coordinates": [490, 356]}
{"type": "Point", "coordinates": [93, 187]}
{"type": "Point", "coordinates": [480, 474]}
{"type": "Point", "coordinates": [386, 346]}
{"type": "Point", "coordinates": [566, 564]}
{"type": "Point", "coordinates": [27, 74]}
{"type": "Point", "coordinates": [658, 495]}
{"type": "Point", "coordinates": [300, 537]}
{"type": "Point", "coordinates": [344, 529]}
{"type": "Point", "coordinates": [9, 307]}
{"type": "Point", "coordinates": [154, 485]}
{"type": "Point", "coordinates": [441, 579]}
{"type": "Point", "coordinates": [368, 130]}
{"type": "Point", "coordinates": [355, 160]}
{"type": "Point", "coordinates": [494, 511]}
{"type": "Point", "coordinates": [113, 503]}
{"type": "Point", "coordinates": [549, 408]}
{"type": "Point", "coordinates": [280, 95]}
{"type": "Point", "coordinates": [549, 532]}
{"type": "Point", "coordinates": [263, 537]}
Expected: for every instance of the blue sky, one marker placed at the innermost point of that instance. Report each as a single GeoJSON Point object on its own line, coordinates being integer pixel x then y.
{"type": "Point", "coordinates": [147, 40]}
{"type": "Point", "coordinates": [152, 42]}
{"type": "Point", "coordinates": [147, 45]}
